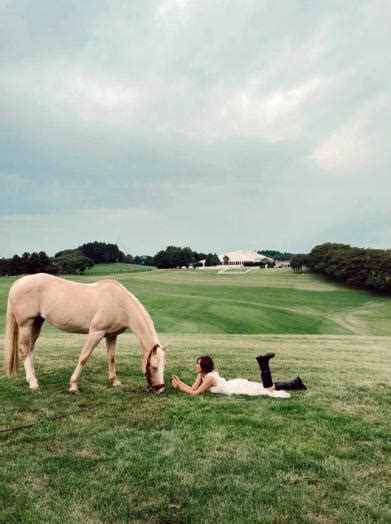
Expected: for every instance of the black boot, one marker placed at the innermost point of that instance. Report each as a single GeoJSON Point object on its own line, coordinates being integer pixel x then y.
{"type": "Point", "coordinates": [296, 383]}
{"type": "Point", "coordinates": [266, 376]}
{"type": "Point", "coordinates": [265, 358]}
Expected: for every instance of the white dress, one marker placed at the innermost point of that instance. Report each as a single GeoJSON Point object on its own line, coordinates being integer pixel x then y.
{"type": "Point", "coordinates": [241, 386]}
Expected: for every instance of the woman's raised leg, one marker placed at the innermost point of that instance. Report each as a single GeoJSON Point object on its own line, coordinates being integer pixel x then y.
{"type": "Point", "coordinates": [266, 376]}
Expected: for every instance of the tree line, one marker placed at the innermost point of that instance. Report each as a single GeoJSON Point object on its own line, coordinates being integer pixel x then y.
{"type": "Point", "coordinates": [69, 261]}
{"type": "Point", "coordinates": [357, 267]}
{"type": "Point", "coordinates": [76, 261]}
{"type": "Point", "coordinates": [354, 266]}
{"type": "Point", "coordinates": [177, 257]}
{"type": "Point", "coordinates": [30, 263]}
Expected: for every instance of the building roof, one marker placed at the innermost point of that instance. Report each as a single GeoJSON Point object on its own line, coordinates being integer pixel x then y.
{"type": "Point", "coordinates": [243, 256]}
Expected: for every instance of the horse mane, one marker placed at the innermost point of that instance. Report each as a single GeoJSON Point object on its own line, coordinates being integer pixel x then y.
{"type": "Point", "coordinates": [135, 300]}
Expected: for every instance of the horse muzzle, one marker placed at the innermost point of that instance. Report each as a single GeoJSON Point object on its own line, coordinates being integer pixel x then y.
{"type": "Point", "coordinates": [155, 390]}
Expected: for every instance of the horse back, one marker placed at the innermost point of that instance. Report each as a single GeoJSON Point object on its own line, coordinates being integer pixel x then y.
{"type": "Point", "coordinates": [70, 306]}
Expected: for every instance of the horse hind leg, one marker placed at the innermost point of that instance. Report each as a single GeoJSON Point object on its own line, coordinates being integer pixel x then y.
{"type": "Point", "coordinates": [28, 334]}
{"type": "Point", "coordinates": [35, 334]}
{"type": "Point", "coordinates": [110, 345]}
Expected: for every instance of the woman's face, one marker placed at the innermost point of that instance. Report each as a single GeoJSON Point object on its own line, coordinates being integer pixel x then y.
{"type": "Point", "coordinates": [197, 366]}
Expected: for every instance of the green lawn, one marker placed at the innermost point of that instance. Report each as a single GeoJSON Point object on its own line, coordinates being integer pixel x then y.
{"type": "Point", "coordinates": [263, 301]}
{"type": "Point", "coordinates": [111, 269]}
{"type": "Point", "coordinates": [122, 455]}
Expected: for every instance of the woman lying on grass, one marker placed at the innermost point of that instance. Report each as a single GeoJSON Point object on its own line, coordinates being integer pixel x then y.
{"type": "Point", "coordinates": [209, 380]}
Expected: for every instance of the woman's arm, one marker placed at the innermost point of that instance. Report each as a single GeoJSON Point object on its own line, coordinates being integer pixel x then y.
{"type": "Point", "coordinates": [197, 383]}
{"type": "Point", "coordinates": [205, 385]}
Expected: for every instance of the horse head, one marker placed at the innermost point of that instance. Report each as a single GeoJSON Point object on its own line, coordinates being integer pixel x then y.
{"type": "Point", "coordinates": [153, 368]}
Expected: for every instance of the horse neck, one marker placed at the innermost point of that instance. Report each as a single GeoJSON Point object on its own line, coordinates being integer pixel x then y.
{"type": "Point", "coordinates": [142, 326]}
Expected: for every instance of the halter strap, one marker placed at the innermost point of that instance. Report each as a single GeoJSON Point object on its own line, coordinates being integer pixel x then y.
{"type": "Point", "coordinates": [148, 374]}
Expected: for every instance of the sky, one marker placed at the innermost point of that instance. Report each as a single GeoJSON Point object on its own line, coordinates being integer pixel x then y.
{"type": "Point", "coordinates": [214, 124]}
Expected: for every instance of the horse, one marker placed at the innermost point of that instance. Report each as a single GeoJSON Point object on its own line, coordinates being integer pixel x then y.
{"type": "Point", "coordinates": [102, 309]}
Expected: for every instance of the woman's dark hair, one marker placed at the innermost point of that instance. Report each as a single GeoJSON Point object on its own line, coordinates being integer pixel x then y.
{"type": "Point", "coordinates": [206, 363]}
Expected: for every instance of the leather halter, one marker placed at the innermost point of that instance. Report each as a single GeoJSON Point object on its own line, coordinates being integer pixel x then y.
{"type": "Point", "coordinates": [148, 374]}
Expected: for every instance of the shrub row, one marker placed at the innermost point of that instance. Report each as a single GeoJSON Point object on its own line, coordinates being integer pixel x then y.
{"type": "Point", "coordinates": [357, 267]}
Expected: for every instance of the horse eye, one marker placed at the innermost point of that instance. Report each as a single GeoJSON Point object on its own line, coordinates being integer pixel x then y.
{"type": "Point", "coordinates": [154, 368]}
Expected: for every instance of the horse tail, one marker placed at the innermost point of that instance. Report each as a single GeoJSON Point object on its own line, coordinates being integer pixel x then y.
{"type": "Point", "coordinates": [11, 342]}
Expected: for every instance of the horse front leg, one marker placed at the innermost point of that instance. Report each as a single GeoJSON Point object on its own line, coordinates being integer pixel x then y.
{"type": "Point", "coordinates": [110, 344]}
{"type": "Point", "coordinates": [92, 340]}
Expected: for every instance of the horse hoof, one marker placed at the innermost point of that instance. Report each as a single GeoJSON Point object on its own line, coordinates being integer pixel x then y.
{"type": "Point", "coordinates": [116, 383]}
{"type": "Point", "coordinates": [74, 390]}
{"type": "Point", "coordinates": [34, 386]}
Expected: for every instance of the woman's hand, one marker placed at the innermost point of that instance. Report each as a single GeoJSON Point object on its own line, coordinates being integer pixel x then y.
{"type": "Point", "coordinates": [199, 386]}
{"type": "Point", "coordinates": [175, 382]}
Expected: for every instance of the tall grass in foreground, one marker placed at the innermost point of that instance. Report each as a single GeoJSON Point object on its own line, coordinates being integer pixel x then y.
{"type": "Point", "coordinates": [122, 455]}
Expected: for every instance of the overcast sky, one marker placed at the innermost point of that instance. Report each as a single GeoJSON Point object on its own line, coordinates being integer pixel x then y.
{"type": "Point", "coordinates": [218, 124]}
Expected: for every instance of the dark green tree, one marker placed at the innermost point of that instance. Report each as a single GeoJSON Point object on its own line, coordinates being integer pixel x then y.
{"type": "Point", "coordinates": [298, 262]}
{"type": "Point", "coordinates": [212, 260]}
{"type": "Point", "coordinates": [4, 266]}
{"type": "Point", "coordinates": [44, 263]}
{"type": "Point", "coordinates": [15, 266]}
{"type": "Point", "coordinates": [102, 253]}
{"type": "Point", "coordinates": [71, 264]}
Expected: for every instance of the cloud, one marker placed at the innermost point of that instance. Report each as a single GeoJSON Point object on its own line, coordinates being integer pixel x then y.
{"type": "Point", "coordinates": [92, 98]}
{"type": "Point", "coordinates": [71, 92]}
{"type": "Point", "coordinates": [172, 7]}
{"type": "Point", "coordinates": [11, 184]}
{"type": "Point", "coordinates": [352, 146]}
{"type": "Point", "coordinates": [248, 111]}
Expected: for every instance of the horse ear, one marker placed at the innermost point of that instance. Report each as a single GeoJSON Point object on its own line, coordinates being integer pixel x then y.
{"type": "Point", "coordinates": [164, 347]}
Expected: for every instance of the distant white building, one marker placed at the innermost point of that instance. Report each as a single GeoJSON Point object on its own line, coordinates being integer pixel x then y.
{"type": "Point", "coordinates": [240, 258]}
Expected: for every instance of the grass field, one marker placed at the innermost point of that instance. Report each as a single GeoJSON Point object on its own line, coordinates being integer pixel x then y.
{"type": "Point", "coordinates": [112, 269]}
{"type": "Point", "coordinates": [122, 455]}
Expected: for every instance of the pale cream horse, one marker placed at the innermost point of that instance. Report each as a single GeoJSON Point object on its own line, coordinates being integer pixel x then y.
{"type": "Point", "coordinates": [101, 309]}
